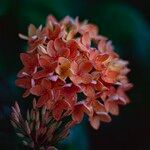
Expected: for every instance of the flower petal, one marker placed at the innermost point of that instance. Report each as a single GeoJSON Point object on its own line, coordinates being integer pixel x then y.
{"type": "Point", "coordinates": [76, 79]}
{"type": "Point", "coordinates": [37, 90]}
{"type": "Point", "coordinates": [26, 93]}
{"type": "Point", "coordinates": [102, 57]}
{"type": "Point", "coordinates": [95, 122]}
{"type": "Point", "coordinates": [63, 69]}
{"type": "Point", "coordinates": [50, 49]}
{"type": "Point", "coordinates": [104, 117]}
{"type": "Point", "coordinates": [74, 67]}
{"type": "Point", "coordinates": [92, 29]}
{"type": "Point", "coordinates": [86, 39]}
{"type": "Point", "coordinates": [73, 46]}
{"type": "Point", "coordinates": [25, 58]}
{"type": "Point", "coordinates": [59, 44]}
{"type": "Point", "coordinates": [42, 100]}
{"type": "Point", "coordinates": [86, 78]}
{"type": "Point", "coordinates": [70, 91]}
{"type": "Point", "coordinates": [45, 62]}
{"type": "Point", "coordinates": [87, 90]}
{"type": "Point", "coordinates": [46, 84]}
{"type": "Point", "coordinates": [85, 66]}
{"type": "Point", "coordinates": [59, 107]}
{"type": "Point", "coordinates": [112, 107]}
{"type": "Point", "coordinates": [98, 107]}
{"type": "Point", "coordinates": [79, 109]}
{"type": "Point", "coordinates": [23, 82]}
{"type": "Point", "coordinates": [78, 113]}
{"type": "Point", "coordinates": [40, 74]}
{"type": "Point", "coordinates": [110, 76]}
{"type": "Point", "coordinates": [31, 30]}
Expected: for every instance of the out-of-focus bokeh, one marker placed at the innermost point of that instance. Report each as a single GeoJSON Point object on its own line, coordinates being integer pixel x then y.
{"type": "Point", "coordinates": [126, 23]}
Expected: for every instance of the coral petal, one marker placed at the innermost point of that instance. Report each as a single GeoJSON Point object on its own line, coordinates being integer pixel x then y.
{"type": "Point", "coordinates": [46, 84]}
{"type": "Point", "coordinates": [42, 100]}
{"type": "Point", "coordinates": [25, 58]}
{"type": "Point", "coordinates": [59, 45]}
{"type": "Point", "coordinates": [50, 49]}
{"type": "Point", "coordinates": [31, 30]}
{"type": "Point", "coordinates": [86, 39]}
{"type": "Point", "coordinates": [40, 74]}
{"type": "Point", "coordinates": [23, 82]}
{"type": "Point", "coordinates": [95, 122]}
{"type": "Point", "coordinates": [85, 66]}
{"type": "Point", "coordinates": [74, 67]}
{"type": "Point", "coordinates": [36, 90]}
{"type": "Point", "coordinates": [112, 107]}
{"type": "Point", "coordinates": [104, 117]}
{"type": "Point", "coordinates": [58, 109]}
{"type": "Point", "coordinates": [26, 93]}
{"type": "Point", "coordinates": [88, 90]}
{"type": "Point", "coordinates": [78, 113]}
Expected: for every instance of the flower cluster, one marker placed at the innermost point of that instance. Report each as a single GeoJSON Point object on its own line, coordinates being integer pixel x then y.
{"type": "Point", "coordinates": [73, 71]}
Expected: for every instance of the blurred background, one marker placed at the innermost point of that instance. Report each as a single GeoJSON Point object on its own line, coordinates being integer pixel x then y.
{"type": "Point", "coordinates": [126, 23]}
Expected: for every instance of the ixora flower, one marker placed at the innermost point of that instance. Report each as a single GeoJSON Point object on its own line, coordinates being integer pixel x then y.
{"type": "Point", "coordinates": [72, 71]}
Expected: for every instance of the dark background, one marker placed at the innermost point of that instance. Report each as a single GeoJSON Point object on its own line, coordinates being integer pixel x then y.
{"type": "Point", "coordinates": [126, 23]}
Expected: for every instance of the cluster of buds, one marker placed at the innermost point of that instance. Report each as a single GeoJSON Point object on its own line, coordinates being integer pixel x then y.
{"type": "Point", "coordinates": [40, 130]}
{"type": "Point", "coordinates": [73, 71]}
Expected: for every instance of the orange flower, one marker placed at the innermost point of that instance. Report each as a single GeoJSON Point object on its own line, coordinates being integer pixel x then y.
{"type": "Point", "coordinates": [44, 91]}
{"type": "Point", "coordinates": [114, 70]}
{"type": "Point", "coordinates": [99, 117]}
{"type": "Point", "coordinates": [70, 90]}
{"type": "Point", "coordinates": [47, 66]}
{"type": "Point", "coordinates": [117, 98]}
{"type": "Point", "coordinates": [78, 111]}
{"type": "Point", "coordinates": [26, 83]}
{"type": "Point", "coordinates": [99, 60]}
{"type": "Point", "coordinates": [63, 68]}
{"type": "Point", "coordinates": [30, 62]}
{"type": "Point", "coordinates": [57, 48]}
{"type": "Point", "coordinates": [61, 106]}
{"type": "Point", "coordinates": [99, 113]}
{"type": "Point", "coordinates": [68, 58]}
{"type": "Point", "coordinates": [80, 72]}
